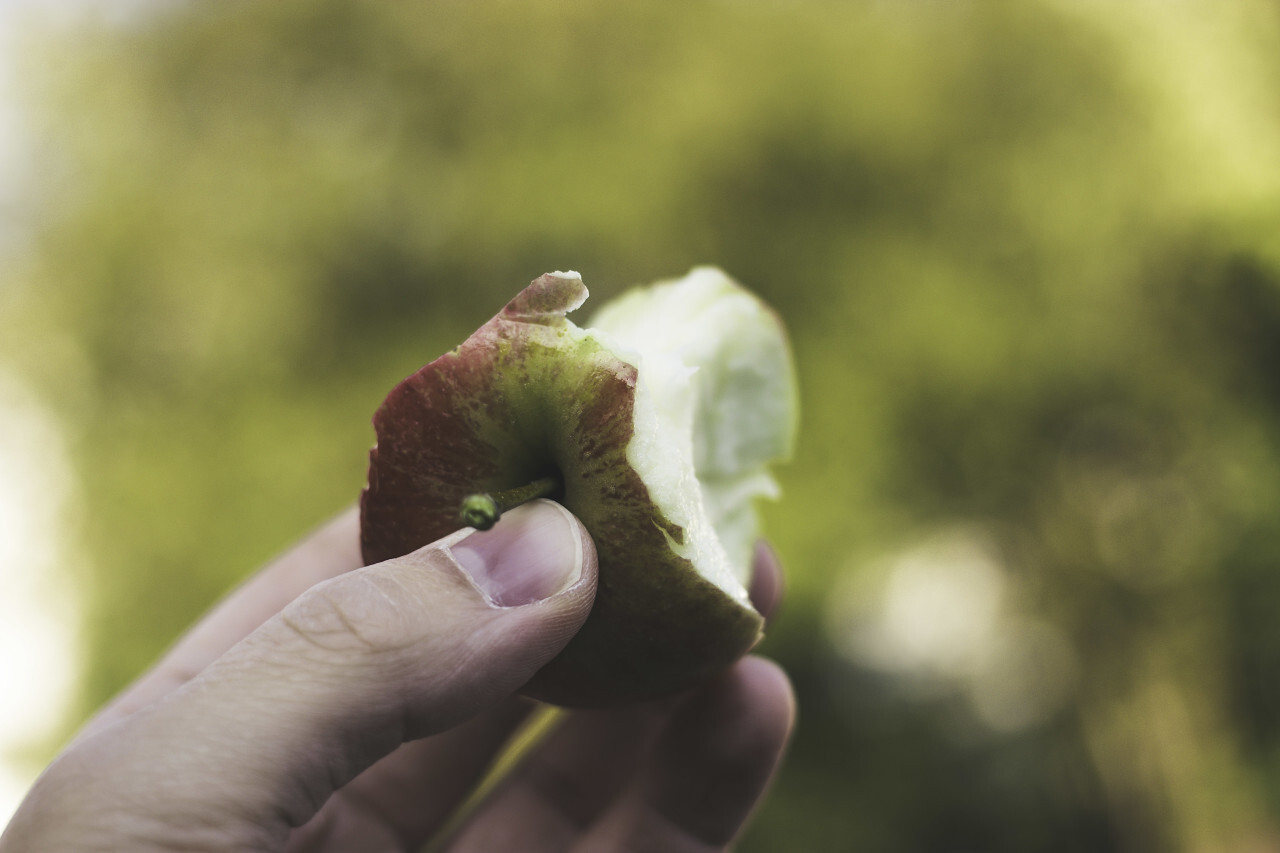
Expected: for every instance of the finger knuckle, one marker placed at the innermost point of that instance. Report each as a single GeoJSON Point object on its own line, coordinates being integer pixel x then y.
{"type": "Point", "coordinates": [353, 614]}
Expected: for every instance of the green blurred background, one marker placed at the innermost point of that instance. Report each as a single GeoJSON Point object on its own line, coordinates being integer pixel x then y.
{"type": "Point", "coordinates": [1028, 253]}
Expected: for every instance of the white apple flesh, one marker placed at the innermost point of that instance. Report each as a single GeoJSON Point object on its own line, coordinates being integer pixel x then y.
{"type": "Point", "coordinates": [715, 407]}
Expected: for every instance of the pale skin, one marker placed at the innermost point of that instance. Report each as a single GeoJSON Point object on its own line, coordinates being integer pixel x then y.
{"type": "Point", "coordinates": [328, 707]}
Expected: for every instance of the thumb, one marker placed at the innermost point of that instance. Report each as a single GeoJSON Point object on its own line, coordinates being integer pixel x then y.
{"type": "Point", "coordinates": [350, 670]}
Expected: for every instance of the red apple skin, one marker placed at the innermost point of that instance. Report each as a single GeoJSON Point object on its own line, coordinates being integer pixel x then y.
{"type": "Point", "coordinates": [525, 396]}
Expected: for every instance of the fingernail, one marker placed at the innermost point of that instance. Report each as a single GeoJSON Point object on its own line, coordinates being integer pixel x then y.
{"type": "Point", "coordinates": [532, 553]}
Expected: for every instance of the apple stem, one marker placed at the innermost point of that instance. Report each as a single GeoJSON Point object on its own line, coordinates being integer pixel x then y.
{"type": "Point", "coordinates": [482, 511]}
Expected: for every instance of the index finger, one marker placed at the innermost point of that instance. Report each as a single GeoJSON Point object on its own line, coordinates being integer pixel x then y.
{"type": "Point", "coordinates": [332, 549]}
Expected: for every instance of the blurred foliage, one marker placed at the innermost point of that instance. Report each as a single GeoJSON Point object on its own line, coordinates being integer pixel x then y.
{"type": "Point", "coordinates": [1028, 253]}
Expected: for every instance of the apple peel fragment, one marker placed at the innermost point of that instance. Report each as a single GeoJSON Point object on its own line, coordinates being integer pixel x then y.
{"type": "Point", "coordinates": [659, 421]}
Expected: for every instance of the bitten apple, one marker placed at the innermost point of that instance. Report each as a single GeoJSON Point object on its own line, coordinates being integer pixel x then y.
{"type": "Point", "coordinates": [655, 426]}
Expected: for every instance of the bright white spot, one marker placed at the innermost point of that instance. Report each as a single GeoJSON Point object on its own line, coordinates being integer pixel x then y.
{"type": "Point", "coordinates": [13, 787]}
{"type": "Point", "coordinates": [941, 603]}
{"type": "Point", "coordinates": [936, 609]}
{"type": "Point", "coordinates": [938, 616]}
{"type": "Point", "coordinates": [38, 611]}
{"type": "Point", "coordinates": [39, 606]}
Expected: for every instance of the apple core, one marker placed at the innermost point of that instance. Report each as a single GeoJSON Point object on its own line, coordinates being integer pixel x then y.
{"type": "Point", "coordinates": [655, 427]}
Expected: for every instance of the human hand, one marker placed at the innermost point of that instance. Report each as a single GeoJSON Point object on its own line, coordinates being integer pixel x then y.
{"type": "Point", "coordinates": [327, 707]}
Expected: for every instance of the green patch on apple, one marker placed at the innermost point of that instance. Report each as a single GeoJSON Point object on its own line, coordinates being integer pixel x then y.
{"type": "Point", "coordinates": [655, 425]}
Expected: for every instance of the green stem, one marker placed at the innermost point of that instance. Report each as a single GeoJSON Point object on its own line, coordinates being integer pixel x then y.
{"type": "Point", "coordinates": [537, 727]}
{"type": "Point", "coordinates": [482, 511]}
